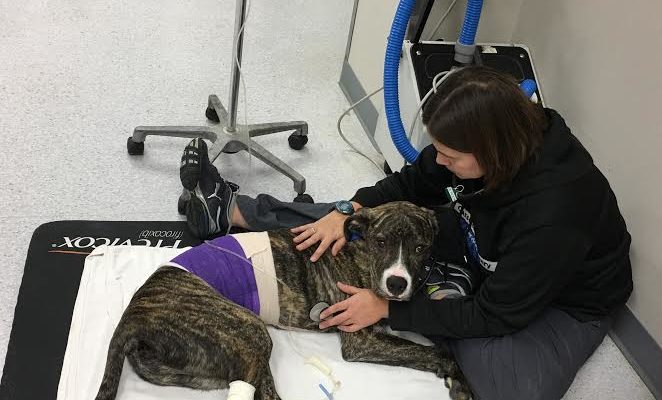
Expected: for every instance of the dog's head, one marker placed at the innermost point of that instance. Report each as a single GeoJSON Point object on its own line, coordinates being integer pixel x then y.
{"type": "Point", "coordinates": [397, 238]}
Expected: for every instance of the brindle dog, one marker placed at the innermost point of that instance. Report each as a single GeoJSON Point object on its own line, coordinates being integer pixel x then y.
{"type": "Point", "coordinates": [179, 331]}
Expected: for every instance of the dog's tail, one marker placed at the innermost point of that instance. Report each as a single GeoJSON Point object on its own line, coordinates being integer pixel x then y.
{"type": "Point", "coordinates": [117, 351]}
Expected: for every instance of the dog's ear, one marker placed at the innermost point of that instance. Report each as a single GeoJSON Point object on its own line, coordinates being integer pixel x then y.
{"type": "Point", "coordinates": [432, 219]}
{"type": "Point", "coordinates": [357, 224]}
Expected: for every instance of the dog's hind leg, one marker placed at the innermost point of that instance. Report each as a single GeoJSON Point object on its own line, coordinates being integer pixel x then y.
{"type": "Point", "coordinates": [267, 388]}
{"type": "Point", "coordinates": [170, 362]}
{"type": "Point", "coordinates": [254, 355]}
{"type": "Point", "coordinates": [162, 358]}
{"type": "Point", "coordinates": [185, 334]}
{"type": "Point", "coordinates": [381, 348]}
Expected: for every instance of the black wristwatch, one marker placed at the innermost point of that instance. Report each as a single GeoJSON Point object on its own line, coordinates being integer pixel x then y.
{"type": "Point", "coordinates": [344, 207]}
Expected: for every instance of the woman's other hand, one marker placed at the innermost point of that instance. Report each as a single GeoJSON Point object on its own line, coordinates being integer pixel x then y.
{"type": "Point", "coordinates": [328, 230]}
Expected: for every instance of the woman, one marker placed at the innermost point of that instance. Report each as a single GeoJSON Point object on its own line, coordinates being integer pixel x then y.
{"type": "Point", "coordinates": [536, 221]}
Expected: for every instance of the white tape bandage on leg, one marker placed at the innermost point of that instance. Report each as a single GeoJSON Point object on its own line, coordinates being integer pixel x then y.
{"type": "Point", "coordinates": [240, 390]}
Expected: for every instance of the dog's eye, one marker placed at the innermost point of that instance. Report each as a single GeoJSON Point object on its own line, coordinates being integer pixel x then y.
{"type": "Point", "coordinates": [381, 242]}
{"type": "Point", "coordinates": [419, 249]}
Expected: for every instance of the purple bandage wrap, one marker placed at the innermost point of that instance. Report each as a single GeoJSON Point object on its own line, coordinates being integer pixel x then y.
{"type": "Point", "coordinates": [229, 274]}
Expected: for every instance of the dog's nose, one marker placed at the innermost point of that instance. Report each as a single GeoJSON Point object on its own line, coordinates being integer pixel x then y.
{"type": "Point", "coordinates": [396, 285]}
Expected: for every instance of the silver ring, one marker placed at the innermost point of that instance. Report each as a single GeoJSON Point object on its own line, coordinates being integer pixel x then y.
{"type": "Point", "coordinates": [312, 228]}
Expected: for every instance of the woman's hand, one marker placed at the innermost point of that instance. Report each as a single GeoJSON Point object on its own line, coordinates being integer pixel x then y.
{"type": "Point", "coordinates": [362, 309]}
{"type": "Point", "coordinates": [327, 230]}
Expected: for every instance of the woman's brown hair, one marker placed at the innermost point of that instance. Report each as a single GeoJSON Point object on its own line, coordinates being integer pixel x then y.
{"type": "Point", "coordinates": [481, 111]}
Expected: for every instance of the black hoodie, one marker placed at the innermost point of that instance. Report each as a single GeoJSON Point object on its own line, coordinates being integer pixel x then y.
{"type": "Point", "coordinates": [553, 237]}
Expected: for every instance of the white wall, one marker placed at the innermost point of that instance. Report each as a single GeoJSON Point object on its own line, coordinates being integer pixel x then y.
{"type": "Point", "coordinates": [497, 21]}
{"type": "Point", "coordinates": [600, 65]}
{"type": "Point", "coordinates": [366, 56]}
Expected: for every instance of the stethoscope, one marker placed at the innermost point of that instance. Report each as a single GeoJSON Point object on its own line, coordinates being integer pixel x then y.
{"type": "Point", "coordinates": [454, 193]}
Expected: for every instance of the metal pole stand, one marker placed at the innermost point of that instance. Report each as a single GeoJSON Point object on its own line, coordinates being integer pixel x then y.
{"type": "Point", "coordinates": [227, 136]}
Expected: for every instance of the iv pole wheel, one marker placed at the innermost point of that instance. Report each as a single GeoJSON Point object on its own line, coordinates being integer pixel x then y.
{"type": "Point", "coordinates": [296, 140]}
{"type": "Point", "coordinates": [135, 148]}
{"type": "Point", "coordinates": [211, 114]}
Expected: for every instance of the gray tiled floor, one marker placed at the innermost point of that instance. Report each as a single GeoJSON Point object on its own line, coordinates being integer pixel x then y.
{"type": "Point", "coordinates": [77, 75]}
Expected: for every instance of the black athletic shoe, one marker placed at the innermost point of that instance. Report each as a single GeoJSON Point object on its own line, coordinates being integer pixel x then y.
{"type": "Point", "coordinates": [194, 156]}
{"type": "Point", "coordinates": [449, 280]}
{"type": "Point", "coordinates": [209, 211]}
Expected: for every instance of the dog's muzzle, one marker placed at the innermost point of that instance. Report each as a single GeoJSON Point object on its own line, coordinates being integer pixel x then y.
{"type": "Point", "coordinates": [396, 285]}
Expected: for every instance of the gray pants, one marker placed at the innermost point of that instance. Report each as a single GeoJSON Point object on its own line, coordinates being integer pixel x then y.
{"type": "Point", "coordinates": [537, 363]}
{"type": "Point", "coordinates": [265, 212]}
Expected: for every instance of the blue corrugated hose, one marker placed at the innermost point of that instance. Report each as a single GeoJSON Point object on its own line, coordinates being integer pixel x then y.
{"type": "Point", "coordinates": [391, 63]}
{"type": "Point", "coordinates": [470, 25]}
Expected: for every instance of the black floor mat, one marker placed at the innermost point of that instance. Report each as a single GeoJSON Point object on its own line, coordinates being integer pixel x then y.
{"type": "Point", "coordinates": [53, 269]}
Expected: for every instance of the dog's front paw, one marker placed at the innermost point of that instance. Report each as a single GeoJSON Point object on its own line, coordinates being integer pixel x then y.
{"type": "Point", "coordinates": [447, 367]}
{"type": "Point", "coordinates": [457, 386]}
{"type": "Point", "coordinates": [459, 391]}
